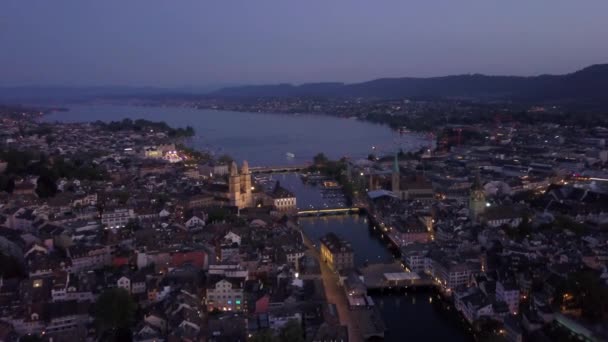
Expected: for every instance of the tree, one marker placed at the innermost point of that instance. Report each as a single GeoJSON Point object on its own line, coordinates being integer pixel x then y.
{"type": "Point", "coordinates": [46, 186]}
{"type": "Point", "coordinates": [225, 159]}
{"type": "Point", "coordinates": [10, 267]}
{"type": "Point", "coordinates": [31, 338]}
{"type": "Point", "coordinates": [320, 159]}
{"type": "Point", "coordinates": [133, 225]}
{"type": "Point", "coordinates": [114, 310]}
{"type": "Point", "coordinates": [292, 332]}
{"type": "Point", "coordinates": [587, 290]}
{"type": "Point", "coordinates": [7, 183]}
{"type": "Point", "coordinates": [123, 197]}
{"type": "Point", "coordinates": [263, 336]}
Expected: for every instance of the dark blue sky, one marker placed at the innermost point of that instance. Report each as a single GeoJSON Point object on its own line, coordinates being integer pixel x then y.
{"type": "Point", "coordinates": [200, 42]}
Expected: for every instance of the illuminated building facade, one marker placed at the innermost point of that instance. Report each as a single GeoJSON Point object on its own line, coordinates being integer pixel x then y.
{"type": "Point", "coordinates": [337, 253]}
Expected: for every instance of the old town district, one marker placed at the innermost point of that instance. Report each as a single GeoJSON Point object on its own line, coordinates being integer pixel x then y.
{"type": "Point", "coordinates": [510, 230]}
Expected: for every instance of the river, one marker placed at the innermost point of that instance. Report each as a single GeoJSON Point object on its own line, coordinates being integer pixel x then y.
{"type": "Point", "coordinates": [411, 316]}
{"type": "Point", "coordinates": [262, 139]}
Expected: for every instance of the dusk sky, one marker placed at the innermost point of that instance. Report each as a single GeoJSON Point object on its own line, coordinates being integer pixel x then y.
{"type": "Point", "coordinates": [200, 42]}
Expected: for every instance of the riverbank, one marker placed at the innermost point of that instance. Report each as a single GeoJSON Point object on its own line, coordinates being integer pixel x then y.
{"type": "Point", "coordinates": [407, 315]}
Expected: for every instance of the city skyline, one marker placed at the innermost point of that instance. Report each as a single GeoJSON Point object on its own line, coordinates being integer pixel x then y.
{"type": "Point", "coordinates": [198, 44]}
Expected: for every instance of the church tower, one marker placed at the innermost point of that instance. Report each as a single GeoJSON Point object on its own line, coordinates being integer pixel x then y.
{"type": "Point", "coordinates": [234, 185]}
{"type": "Point", "coordinates": [247, 197]}
{"type": "Point", "coordinates": [477, 201]}
{"type": "Point", "coordinates": [395, 177]}
{"type": "Point", "coordinates": [372, 185]}
{"type": "Point", "coordinates": [239, 186]}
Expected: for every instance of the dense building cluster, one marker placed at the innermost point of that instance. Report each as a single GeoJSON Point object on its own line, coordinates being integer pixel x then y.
{"type": "Point", "coordinates": [200, 251]}
{"type": "Point", "coordinates": [118, 228]}
{"type": "Point", "coordinates": [508, 227]}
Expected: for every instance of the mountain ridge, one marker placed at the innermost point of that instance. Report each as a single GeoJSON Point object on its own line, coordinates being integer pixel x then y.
{"type": "Point", "coordinates": [585, 85]}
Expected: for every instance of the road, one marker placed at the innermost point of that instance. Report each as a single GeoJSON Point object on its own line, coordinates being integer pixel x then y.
{"type": "Point", "coordinates": [335, 294]}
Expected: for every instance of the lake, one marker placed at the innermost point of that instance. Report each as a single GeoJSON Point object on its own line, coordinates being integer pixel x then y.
{"type": "Point", "coordinates": [262, 139]}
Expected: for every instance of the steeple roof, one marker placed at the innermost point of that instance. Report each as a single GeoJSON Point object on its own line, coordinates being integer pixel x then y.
{"type": "Point", "coordinates": [234, 169]}
{"type": "Point", "coordinates": [396, 164]}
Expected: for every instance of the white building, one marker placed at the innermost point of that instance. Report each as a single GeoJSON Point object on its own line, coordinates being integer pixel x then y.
{"type": "Point", "coordinates": [124, 283]}
{"type": "Point", "coordinates": [117, 218]}
{"type": "Point", "coordinates": [233, 238]}
{"type": "Point", "coordinates": [86, 258]}
{"type": "Point", "coordinates": [509, 293]}
{"type": "Point", "coordinates": [225, 294]}
{"type": "Point", "coordinates": [294, 255]}
{"type": "Point", "coordinates": [86, 200]}
{"type": "Point", "coordinates": [197, 220]}
{"type": "Point", "coordinates": [283, 199]}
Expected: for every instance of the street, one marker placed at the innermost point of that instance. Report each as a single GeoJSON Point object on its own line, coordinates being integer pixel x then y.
{"type": "Point", "coordinates": [335, 294]}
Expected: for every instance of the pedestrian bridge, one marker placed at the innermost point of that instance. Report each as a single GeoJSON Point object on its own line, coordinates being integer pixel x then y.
{"type": "Point", "coordinates": [329, 211]}
{"type": "Point", "coordinates": [278, 169]}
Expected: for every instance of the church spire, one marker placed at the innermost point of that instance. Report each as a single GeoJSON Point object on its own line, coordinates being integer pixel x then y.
{"type": "Point", "coordinates": [234, 170]}
{"type": "Point", "coordinates": [396, 175]}
{"type": "Point", "coordinates": [396, 164]}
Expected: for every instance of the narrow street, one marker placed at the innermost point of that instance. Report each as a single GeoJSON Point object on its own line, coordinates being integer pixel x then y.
{"type": "Point", "coordinates": [335, 294]}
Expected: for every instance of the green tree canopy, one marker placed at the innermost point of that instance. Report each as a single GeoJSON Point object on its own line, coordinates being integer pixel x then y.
{"type": "Point", "coordinates": [292, 332]}
{"type": "Point", "coordinates": [46, 186]}
{"type": "Point", "coordinates": [225, 159]}
{"type": "Point", "coordinates": [114, 309]}
{"type": "Point", "coordinates": [587, 290]}
{"type": "Point", "coordinates": [263, 336]}
{"type": "Point", "coordinates": [320, 159]}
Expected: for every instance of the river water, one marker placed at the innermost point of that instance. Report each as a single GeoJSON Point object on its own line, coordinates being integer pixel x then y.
{"type": "Point", "coordinates": [264, 139]}
{"type": "Point", "coordinates": [412, 316]}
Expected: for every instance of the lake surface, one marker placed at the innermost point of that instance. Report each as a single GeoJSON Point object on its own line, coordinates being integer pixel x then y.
{"type": "Point", "coordinates": [262, 139]}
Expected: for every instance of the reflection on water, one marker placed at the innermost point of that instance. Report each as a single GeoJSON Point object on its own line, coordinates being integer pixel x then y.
{"type": "Point", "coordinates": [413, 318]}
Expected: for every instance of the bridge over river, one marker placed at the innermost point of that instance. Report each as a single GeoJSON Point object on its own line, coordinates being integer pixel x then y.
{"type": "Point", "coordinates": [279, 169]}
{"type": "Point", "coordinates": [329, 211]}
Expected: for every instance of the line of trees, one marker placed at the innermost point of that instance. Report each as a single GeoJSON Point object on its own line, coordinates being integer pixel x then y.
{"type": "Point", "coordinates": [291, 332]}
{"type": "Point", "coordinates": [21, 164]}
{"type": "Point", "coordinates": [336, 169]}
{"type": "Point", "coordinates": [140, 125]}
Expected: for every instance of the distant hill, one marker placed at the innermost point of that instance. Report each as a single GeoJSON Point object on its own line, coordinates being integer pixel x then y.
{"type": "Point", "coordinates": [59, 94]}
{"type": "Point", "coordinates": [589, 85]}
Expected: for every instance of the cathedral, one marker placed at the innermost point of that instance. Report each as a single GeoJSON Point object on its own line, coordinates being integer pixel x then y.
{"type": "Point", "coordinates": [477, 201]}
{"type": "Point", "coordinates": [240, 186]}
{"type": "Point", "coordinates": [411, 187]}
